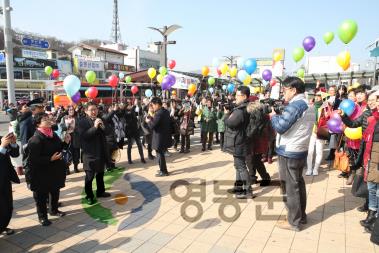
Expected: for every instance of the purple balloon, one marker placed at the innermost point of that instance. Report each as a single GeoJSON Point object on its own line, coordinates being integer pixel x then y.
{"type": "Point", "coordinates": [335, 125]}
{"type": "Point", "coordinates": [267, 75]}
{"type": "Point", "coordinates": [172, 80]}
{"type": "Point", "coordinates": [309, 43]}
{"type": "Point", "coordinates": [76, 97]}
{"type": "Point", "coordinates": [166, 83]}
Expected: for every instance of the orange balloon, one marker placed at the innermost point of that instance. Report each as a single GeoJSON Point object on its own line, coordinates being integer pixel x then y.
{"type": "Point", "coordinates": [56, 99]}
{"type": "Point", "coordinates": [173, 92]}
{"type": "Point", "coordinates": [205, 71]}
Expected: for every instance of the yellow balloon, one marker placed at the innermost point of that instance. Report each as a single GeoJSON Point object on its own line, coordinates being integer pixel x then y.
{"type": "Point", "coordinates": [224, 68]}
{"type": "Point", "coordinates": [277, 56]}
{"type": "Point", "coordinates": [152, 72]}
{"type": "Point", "coordinates": [159, 78]}
{"type": "Point", "coordinates": [343, 59]}
{"type": "Point", "coordinates": [205, 71]}
{"type": "Point", "coordinates": [247, 80]}
{"type": "Point", "coordinates": [356, 85]}
{"type": "Point", "coordinates": [353, 133]}
{"type": "Point", "coordinates": [192, 88]}
{"type": "Point", "coordinates": [233, 72]}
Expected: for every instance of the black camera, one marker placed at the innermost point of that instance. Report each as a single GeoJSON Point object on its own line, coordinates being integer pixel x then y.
{"type": "Point", "coordinates": [273, 104]}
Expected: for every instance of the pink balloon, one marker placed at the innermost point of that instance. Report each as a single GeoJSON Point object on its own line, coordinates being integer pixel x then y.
{"type": "Point", "coordinates": [357, 112]}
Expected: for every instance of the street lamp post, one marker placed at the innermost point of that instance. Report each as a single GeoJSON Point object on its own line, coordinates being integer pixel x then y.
{"type": "Point", "coordinates": [8, 49]}
{"type": "Point", "coordinates": [165, 31]}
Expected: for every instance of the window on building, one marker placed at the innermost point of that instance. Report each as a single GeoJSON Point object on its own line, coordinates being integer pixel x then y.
{"type": "Point", "coordinates": [17, 74]}
{"type": "Point", "coordinates": [26, 74]}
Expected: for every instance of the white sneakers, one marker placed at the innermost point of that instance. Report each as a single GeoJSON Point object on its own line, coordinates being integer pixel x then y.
{"type": "Point", "coordinates": [310, 172]}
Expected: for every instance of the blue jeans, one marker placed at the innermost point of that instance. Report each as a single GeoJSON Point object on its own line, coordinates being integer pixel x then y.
{"type": "Point", "coordinates": [373, 196]}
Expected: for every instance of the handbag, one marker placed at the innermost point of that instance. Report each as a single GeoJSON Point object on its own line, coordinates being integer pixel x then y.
{"type": "Point", "coordinates": [341, 160]}
{"type": "Point", "coordinates": [322, 128]}
{"type": "Point", "coordinates": [67, 156]}
{"type": "Point", "coordinates": [359, 187]}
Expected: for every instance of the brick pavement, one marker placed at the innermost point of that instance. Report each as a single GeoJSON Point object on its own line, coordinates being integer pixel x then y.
{"type": "Point", "coordinates": [148, 219]}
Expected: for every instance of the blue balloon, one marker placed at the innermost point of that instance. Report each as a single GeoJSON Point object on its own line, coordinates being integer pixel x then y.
{"type": "Point", "coordinates": [148, 93]}
{"type": "Point", "coordinates": [347, 106]}
{"type": "Point", "coordinates": [231, 88]}
{"type": "Point", "coordinates": [250, 66]}
{"type": "Point", "coordinates": [242, 75]}
{"type": "Point", "coordinates": [121, 75]}
{"type": "Point", "coordinates": [224, 87]}
{"type": "Point", "coordinates": [71, 85]}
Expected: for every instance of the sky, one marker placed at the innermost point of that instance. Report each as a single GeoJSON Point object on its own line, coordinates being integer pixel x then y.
{"type": "Point", "coordinates": [210, 28]}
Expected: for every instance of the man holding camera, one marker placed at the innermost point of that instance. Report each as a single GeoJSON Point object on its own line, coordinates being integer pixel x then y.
{"type": "Point", "coordinates": [95, 155]}
{"type": "Point", "coordinates": [235, 141]}
{"type": "Point", "coordinates": [294, 127]}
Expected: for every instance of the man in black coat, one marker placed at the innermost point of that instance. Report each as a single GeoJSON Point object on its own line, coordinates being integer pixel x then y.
{"type": "Point", "coordinates": [235, 141]}
{"type": "Point", "coordinates": [94, 149]}
{"type": "Point", "coordinates": [132, 132]}
{"type": "Point", "coordinates": [161, 127]}
{"type": "Point", "coordinates": [8, 147]}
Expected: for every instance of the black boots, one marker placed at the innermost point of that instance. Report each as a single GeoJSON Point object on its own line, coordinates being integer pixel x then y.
{"type": "Point", "coordinates": [76, 168]}
{"type": "Point", "coordinates": [371, 216]}
{"type": "Point", "coordinates": [363, 208]}
{"type": "Point", "coordinates": [237, 188]}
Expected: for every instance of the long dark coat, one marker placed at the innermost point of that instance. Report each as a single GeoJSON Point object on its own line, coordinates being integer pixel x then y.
{"type": "Point", "coordinates": [93, 144]}
{"type": "Point", "coordinates": [41, 173]}
{"type": "Point", "coordinates": [161, 127]}
{"type": "Point", "coordinates": [7, 175]}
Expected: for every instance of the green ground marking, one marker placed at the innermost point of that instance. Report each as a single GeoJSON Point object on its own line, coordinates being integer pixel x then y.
{"type": "Point", "coordinates": [97, 211]}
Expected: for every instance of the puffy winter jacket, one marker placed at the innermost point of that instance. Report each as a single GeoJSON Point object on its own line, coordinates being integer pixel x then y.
{"type": "Point", "coordinates": [294, 128]}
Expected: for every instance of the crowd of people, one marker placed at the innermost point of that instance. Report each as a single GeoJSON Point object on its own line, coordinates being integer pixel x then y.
{"type": "Point", "coordinates": [245, 125]}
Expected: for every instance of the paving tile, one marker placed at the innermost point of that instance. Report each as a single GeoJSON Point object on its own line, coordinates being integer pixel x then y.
{"type": "Point", "coordinates": [148, 247]}
{"type": "Point", "coordinates": [24, 239]}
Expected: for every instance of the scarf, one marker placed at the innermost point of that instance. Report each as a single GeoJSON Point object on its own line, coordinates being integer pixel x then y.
{"type": "Point", "coordinates": [47, 131]}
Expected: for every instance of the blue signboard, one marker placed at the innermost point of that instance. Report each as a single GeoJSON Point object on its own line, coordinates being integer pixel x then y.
{"type": "Point", "coordinates": [35, 43]}
{"type": "Point", "coordinates": [2, 57]}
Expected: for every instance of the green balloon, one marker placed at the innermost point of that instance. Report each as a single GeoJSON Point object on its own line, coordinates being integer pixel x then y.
{"type": "Point", "coordinates": [298, 54]}
{"type": "Point", "coordinates": [48, 70]}
{"type": "Point", "coordinates": [90, 76]}
{"type": "Point", "coordinates": [128, 79]}
{"type": "Point", "coordinates": [211, 81]}
{"type": "Point", "coordinates": [347, 30]}
{"type": "Point", "coordinates": [328, 37]}
{"type": "Point", "coordinates": [163, 71]}
{"type": "Point", "coordinates": [300, 73]}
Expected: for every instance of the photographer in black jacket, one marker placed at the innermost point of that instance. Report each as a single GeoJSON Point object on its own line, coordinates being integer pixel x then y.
{"type": "Point", "coordinates": [235, 141]}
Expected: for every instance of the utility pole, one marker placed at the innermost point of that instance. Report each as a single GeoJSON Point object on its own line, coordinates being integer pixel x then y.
{"type": "Point", "coordinates": [8, 49]}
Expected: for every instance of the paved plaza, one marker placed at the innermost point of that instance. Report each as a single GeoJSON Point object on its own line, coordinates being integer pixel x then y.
{"type": "Point", "coordinates": [143, 215]}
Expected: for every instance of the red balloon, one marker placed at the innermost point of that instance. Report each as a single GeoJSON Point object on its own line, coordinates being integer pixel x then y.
{"type": "Point", "coordinates": [219, 72]}
{"type": "Point", "coordinates": [134, 89]}
{"type": "Point", "coordinates": [171, 64]}
{"type": "Point", "coordinates": [92, 92]}
{"type": "Point", "coordinates": [272, 82]}
{"type": "Point", "coordinates": [55, 73]}
{"type": "Point", "coordinates": [113, 81]}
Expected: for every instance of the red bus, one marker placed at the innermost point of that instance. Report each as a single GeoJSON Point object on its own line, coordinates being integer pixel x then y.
{"type": "Point", "coordinates": [105, 95]}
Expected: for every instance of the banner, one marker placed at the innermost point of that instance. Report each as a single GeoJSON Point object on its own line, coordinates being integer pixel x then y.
{"type": "Point", "coordinates": [32, 63]}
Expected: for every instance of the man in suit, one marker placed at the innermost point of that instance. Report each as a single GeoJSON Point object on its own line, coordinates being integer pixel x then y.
{"type": "Point", "coordinates": [95, 154]}
{"type": "Point", "coordinates": [8, 147]}
{"type": "Point", "coordinates": [160, 125]}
